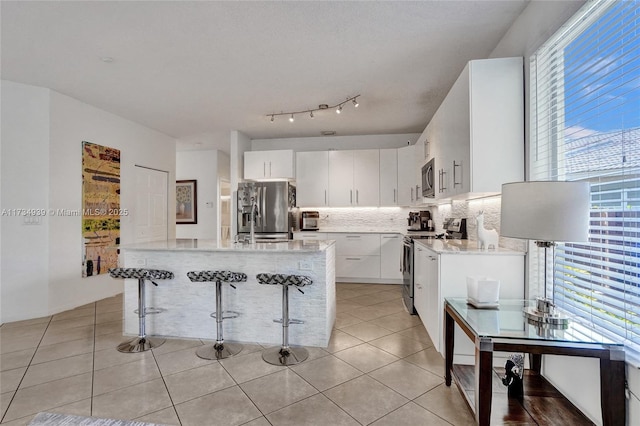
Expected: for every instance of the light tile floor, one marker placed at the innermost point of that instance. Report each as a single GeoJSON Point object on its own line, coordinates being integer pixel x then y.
{"type": "Point", "coordinates": [380, 368]}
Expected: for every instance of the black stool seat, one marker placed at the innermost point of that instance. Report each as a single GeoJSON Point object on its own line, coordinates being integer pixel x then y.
{"type": "Point", "coordinates": [220, 349]}
{"type": "Point", "coordinates": [285, 355]}
{"type": "Point", "coordinates": [213, 276]}
{"type": "Point", "coordinates": [282, 279]}
{"type": "Point", "coordinates": [142, 342]}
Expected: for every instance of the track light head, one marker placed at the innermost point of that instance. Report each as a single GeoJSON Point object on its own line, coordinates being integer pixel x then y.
{"type": "Point", "coordinates": [272, 119]}
{"type": "Point", "coordinates": [339, 109]}
{"type": "Point", "coordinates": [291, 119]}
{"type": "Point", "coordinates": [355, 102]}
{"type": "Point", "coordinates": [311, 114]}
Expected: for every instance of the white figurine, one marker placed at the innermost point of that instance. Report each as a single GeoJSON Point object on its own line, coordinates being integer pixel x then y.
{"type": "Point", "coordinates": [486, 237]}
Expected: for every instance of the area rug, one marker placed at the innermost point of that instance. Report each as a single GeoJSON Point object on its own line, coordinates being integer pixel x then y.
{"type": "Point", "coordinates": [54, 419]}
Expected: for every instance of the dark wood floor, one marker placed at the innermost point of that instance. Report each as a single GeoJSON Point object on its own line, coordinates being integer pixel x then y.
{"type": "Point", "coordinates": [542, 404]}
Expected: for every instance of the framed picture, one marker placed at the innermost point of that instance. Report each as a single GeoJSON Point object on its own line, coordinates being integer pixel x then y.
{"type": "Point", "coordinates": [186, 202]}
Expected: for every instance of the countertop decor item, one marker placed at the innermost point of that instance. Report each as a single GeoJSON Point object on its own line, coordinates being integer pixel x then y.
{"type": "Point", "coordinates": [486, 237]}
{"type": "Point", "coordinates": [547, 212]}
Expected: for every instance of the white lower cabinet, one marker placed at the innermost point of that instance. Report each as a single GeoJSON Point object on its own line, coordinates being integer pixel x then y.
{"type": "Point", "coordinates": [357, 255]}
{"type": "Point", "coordinates": [420, 297]}
{"type": "Point", "coordinates": [391, 256]}
{"type": "Point", "coordinates": [442, 275]}
{"type": "Point", "coordinates": [363, 256]}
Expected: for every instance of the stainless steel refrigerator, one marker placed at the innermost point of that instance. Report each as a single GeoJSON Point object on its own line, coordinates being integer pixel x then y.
{"type": "Point", "coordinates": [272, 205]}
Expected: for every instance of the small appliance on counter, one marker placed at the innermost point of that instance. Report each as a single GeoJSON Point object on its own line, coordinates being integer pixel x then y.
{"type": "Point", "coordinates": [310, 221]}
{"type": "Point", "coordinates": [455, 228]}
{"type": "Point", "coordinates": [426, 223]}
{"type": "Point", "coordinates": [420, 221]}
{"type": "Point", "coordinates": [414, 221]}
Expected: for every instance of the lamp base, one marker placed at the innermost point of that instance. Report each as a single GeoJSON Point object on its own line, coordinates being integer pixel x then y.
{"type": "Point", "coordinates": [544, 314]}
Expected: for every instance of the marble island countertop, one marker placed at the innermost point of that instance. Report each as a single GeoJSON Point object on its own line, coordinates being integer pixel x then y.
{"type": "Point", "coordinates": [463, 247]}
{"type": "Point", "coordinates": [360, 231]}
{"type": "Point", "coordinates": [229, 246]}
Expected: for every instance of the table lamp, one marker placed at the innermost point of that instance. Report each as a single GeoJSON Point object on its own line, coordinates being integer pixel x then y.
{"type": "Point", "coordinates": [547, 212]}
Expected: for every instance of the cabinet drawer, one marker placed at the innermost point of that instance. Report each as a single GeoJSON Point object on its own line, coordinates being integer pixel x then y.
{"type": "Point", "coordinates": [356, 244]}
{"type": "Point", "coordinates": [354, 266]}
{"type": "Point", "coordinates": [309, 236]}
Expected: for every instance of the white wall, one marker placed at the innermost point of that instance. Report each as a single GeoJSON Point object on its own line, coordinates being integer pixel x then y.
{"type": "Point", "coordinates": [325, 143]}
{"type": "Point", "coordinates": [42, 133]}
{"type": "Point", "coordinates": [202, 166]}
{"type": "Point", "coordinates": [24, 254]}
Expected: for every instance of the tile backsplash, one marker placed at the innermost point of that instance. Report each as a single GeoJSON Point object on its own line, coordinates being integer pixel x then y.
{"type": "Point", "coordinates": [395, 218]}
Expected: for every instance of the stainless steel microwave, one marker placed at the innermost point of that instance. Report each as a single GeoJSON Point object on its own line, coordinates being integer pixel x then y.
{"type": "Point", "coordinates": [428, 179]}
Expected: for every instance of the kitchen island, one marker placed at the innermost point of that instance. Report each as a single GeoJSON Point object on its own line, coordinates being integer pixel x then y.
{"type": "Point", "coordinates": [186, 306]}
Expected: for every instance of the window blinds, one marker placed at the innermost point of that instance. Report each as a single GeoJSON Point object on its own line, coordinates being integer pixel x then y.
{"type": "Point", "coordinates": [585, 125]}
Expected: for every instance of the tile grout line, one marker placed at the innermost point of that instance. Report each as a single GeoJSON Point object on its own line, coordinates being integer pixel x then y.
{"type": "Point", "coordinates": [173, 405]}
{"type": "Point", "coordinates": [26, 370]}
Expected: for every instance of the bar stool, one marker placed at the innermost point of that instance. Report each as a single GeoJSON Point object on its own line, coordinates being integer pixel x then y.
{"type": "Point", "coordinates": [142, 342]}
{"type": "Point", "coordinates": [285, 355]}
{"type": "Point", "coordinates": [219, 350]}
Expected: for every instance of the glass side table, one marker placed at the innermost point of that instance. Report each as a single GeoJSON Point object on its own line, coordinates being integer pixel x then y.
{"type": "Point", "coordinates": [505, 328]}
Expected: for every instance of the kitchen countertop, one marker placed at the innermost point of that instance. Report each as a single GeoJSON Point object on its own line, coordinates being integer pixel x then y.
{"type": "Point", "coordinates": [462, 247]}
{"type": "Point", "coordinates": [226, 246]}
{"type": "Point", "coordinates": [358, 231]}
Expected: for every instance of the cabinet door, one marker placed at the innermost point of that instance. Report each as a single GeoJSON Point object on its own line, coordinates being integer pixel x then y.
{"type": "Point", "coordinates": [312, 179]}
{"type": "Point", "coordinates": [406, 176]}
{"type": "Point", "coordinates": [355, 266]}
{"type": "Point", "coordinates": [254, 165]}
{"type": "Point", "coordinates": [366, 177]}
{"type": "Point", "coordinates": [391, 256]}
{"type": "Point", "coordinates": [434, 304]}
{"type": "Point", "coordinates": [279, 164]}
{"type": "Point", "coordinates": [341, 193]}
{"type": "Point", "coordinates": [388, 177]}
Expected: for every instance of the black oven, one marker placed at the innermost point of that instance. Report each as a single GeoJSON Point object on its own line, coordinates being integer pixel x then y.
{"type": "Point", "coordinates": [407, 274]}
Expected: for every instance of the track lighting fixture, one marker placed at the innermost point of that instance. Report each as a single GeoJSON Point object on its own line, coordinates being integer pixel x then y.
{"type": "Point", "coordinates": [338, 109]}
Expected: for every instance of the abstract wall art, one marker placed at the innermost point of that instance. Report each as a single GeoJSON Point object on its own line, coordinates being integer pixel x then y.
{"type": "Point", "coordinates": [100, 208]}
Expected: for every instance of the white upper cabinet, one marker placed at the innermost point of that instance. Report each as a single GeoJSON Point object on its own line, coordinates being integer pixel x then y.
{"type": "Point", "coordinates": [407, 177]}
{"type": "Point", "coordinates": [312, 179]}
{"type": "Point", "coordinates": [389, 177]}
{"type": "Point", "coordinates": [354, 178]}
{"type": "Point", "coordinates": [276, 164]}
{"type": "Point", "coordinates": [477, 133]}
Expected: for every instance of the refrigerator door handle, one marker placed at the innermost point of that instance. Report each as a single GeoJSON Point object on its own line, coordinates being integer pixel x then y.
{"type": "Point", "coordinates": [264, 206]}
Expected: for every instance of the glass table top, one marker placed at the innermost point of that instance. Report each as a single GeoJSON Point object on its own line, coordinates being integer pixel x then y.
{"type": "Point", "coordinates": [508, 321]}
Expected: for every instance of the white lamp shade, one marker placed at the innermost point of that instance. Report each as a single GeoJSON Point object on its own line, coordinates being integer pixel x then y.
{"type": "Point", "coordinates": [546, 211]}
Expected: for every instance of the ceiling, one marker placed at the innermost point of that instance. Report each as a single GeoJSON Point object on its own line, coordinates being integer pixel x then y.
{"type": "Point", "coordinates": [197, 70]}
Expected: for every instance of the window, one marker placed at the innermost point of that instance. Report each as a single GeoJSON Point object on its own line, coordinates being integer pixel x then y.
{"type": "Point", "coordinates": [585, 125]}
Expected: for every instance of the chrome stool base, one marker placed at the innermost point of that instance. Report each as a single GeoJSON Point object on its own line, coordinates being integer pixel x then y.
{"type": "Point", "coordinates": [219, 350]}
{"type": "Point", "coordinates": [285, 356]}
{"type": "Point", "coordinates": [140, 344]}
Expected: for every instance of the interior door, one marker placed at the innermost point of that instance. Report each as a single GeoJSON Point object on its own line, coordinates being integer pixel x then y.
{"type": "Point", "coordinates": [151, 205]}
